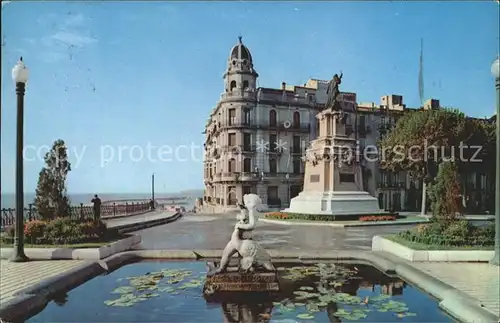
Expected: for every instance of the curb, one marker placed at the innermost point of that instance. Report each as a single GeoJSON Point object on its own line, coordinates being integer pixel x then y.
{"type": "Point", "coordinates": [32, 300]}
{"type": "Point", "coordinates": [126, 228]}
{"type": "Point", "coordinates": [455, 302]}
{"type": "Point", "coordinates": [77, 253]}
{"type": "Point", "coordinates": [382, 244]}
{"type": "Point", "coordinates": [347, 225]}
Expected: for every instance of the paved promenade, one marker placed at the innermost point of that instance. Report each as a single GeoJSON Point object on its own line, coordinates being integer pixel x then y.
{"type": "Point", "coordinates": [133, 219]}
{"type": "Point", "coordinates": [195, 231]}
{"type": "Point", "coordinates": [17, 276]}
{"type": "Point", "coordinates": [479, 280]}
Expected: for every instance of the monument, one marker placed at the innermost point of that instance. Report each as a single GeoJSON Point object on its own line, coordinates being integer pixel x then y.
{"type": "Point", "coordinates": [253, 270]}
{"type": "Point", "coordinates": [332, 179]}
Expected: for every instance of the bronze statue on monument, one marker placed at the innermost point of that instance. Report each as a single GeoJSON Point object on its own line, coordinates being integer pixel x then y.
{"type": "Point", "coordinates": [333, 92]}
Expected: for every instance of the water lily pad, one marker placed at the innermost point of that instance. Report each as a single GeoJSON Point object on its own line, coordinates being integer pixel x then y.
{"type": "Point", "coordinates": [167, 289]}
{"type": "Point", "coordinates": [305, 316]}
{"type": "Point", "coordinates": [123, 290]}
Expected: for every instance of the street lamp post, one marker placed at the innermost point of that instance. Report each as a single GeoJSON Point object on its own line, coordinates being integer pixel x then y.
{"type": "Point", "coordinates": [20, 77]}
{"type": "Point", "coordinates": [287, 176]}
{"type": "Point", "coordinates": [153, 190]}
{"type": "Point", "coordinates": [495, 70]}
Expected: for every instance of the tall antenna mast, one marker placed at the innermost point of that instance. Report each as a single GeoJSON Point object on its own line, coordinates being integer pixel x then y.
{"type": "Point", "coordinates": [421, 73]}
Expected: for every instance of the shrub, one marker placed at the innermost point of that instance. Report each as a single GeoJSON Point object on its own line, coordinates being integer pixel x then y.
{"type": "Point", "coordinates": [34, 230]}
{"type": "Point", "coordinates": [371, 218]}
{"type": "Point", "coordinates": [63, 231]}
{"type": "Point", "coordinates": [444, 193]}
{"type": "Point", "coordinates": [459, 233]}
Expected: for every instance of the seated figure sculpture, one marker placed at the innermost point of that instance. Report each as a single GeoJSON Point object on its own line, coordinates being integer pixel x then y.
{"type": "Point", "coordinates": [251, 255]}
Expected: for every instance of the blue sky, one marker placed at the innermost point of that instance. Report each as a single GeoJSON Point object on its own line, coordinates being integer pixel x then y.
{"type": "Point", "coordinates": [118, 74]}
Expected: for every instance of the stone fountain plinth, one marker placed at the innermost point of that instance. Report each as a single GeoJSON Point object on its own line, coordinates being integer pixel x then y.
{"type": "Point", "coordinates": [253, 270]}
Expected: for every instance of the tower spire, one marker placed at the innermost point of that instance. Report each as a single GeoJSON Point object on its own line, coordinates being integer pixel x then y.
{"type": "Point", "coordinates": [421, 73]}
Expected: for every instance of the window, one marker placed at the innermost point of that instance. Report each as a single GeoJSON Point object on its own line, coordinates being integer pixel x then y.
{"type": "Point", "coordinates": [273, 166]}
{"type": "Point", "coordinates": [272, 196]}
{"type": "Point", "coordinates": [231, 166]}
{"type": "Point", "coordinates": [233, 85]}
{"type": "Point", "coordinates": [296, 119]}
{"type": "Point", "coordinates": [272, 142]}
{"type": "Point", "coordinates": [247, 190]}
{"type": "Point", "coordinates": [296, 165]}
{"type": "Point", "coordinates": [232, 116]}
{"type": "Point", "coordinates": [247, 165]}
{"type": "Point", "coordinates": [247, 142]}
{"type": "Point", "coordinates": [246, 115]}
{"type": "Point", "coordinates": [362, 126]}
{"type": "Point", "coordinates": [296, 144]}
{"type": "Point", "coordinates": [362, 121]}
{"type": "Point", "coordinates": [245, 85]}
{"type": "Point", "coordinates": [272, 118]}
{"type": "Point", "coordinates": [232, 139]}
{"type": "Point", "coordinates": [232, 195]}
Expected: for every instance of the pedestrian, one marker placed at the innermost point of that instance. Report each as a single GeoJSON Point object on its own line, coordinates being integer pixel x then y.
{"type": "Point", "coordinates": [97, 207]}
{"type": "Point", "coordinates": [152, 204]}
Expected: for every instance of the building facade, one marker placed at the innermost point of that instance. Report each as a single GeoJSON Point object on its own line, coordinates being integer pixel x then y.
{"type": "Point", "coordinates": [255, 138]}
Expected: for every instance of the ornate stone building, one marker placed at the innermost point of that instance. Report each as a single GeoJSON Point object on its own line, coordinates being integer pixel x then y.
{"type": "Point", "coordinates": [255, 138]}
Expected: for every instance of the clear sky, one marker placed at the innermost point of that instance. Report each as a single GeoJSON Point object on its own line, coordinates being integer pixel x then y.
{"type": "Point", "coordinates": [105, 75]}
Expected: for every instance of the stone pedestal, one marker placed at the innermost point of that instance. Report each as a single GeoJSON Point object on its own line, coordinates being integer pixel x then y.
{"type": "Point", "coordinates": [333, 181]}
{"type": "Point", "coordinates": [234, 281]}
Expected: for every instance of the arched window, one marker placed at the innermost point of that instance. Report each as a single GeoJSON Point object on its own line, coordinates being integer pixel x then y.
{"type": "Point", "coordinates": [231, 166]}
{"type": "Point", "coordinates": [245, 85]}
{"type": "Point", "coordinates": [296, 119]}
{"type": "Point", "coordinates": [272, 118]}
{"type": "Point", "coordinates": [233, 85]}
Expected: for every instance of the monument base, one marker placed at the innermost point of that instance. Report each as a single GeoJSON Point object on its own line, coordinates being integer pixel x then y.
{"type": "Point", "coordinates": [235, 281]}
{"type": "Point", "coordinates": [335, 203]}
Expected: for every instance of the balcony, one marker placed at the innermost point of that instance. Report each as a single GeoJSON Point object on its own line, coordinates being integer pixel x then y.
{"type": "Point", "coordinates": [237, 149]}
{"type": "Point", "coordinates": [230, 177]}
{"type": "Point", "coordinates": [249, 177]}
{"type": "Point", "coordinates": [279, 126]}
{"type": "Point", "coordinates": [238, 95]}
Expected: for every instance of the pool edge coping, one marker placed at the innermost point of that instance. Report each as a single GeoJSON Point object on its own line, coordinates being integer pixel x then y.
{"type": "Point", "coordinates": [453, 301]}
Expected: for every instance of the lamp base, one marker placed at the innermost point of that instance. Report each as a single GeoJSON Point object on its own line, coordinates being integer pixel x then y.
{"type": "Point", "coordinates": [18, 256]}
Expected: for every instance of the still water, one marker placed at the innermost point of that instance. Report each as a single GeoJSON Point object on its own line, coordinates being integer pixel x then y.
{"type": "Point", "coordinates": [159, 291]}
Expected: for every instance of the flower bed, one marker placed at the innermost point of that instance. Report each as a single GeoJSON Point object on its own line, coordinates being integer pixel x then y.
{"type": "Point", "coordinates": [374, 218]}
{"type": "Point", "coordinates": [276, 215]}
{"type": "Point", "coordinates": [62, 231]}
{"type": "Point", "coordinates": [327, 217]}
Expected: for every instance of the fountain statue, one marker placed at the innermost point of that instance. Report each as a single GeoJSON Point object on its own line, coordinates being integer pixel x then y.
{"type": "Point", "coordinates": [254, 270]}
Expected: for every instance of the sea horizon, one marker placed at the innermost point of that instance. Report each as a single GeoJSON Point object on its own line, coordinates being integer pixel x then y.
{"type": "Point", "coordinates": [8, 200]}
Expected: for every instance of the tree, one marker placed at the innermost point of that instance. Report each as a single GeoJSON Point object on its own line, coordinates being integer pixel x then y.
{"type": "Point", "coordinates": [51, 198]}
{"type": "Point", "coordinates": [445, 193]}
{"type": "Point", "coordinates": [421, 140]}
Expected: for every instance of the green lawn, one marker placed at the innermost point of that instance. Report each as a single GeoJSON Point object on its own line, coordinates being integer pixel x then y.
{"type": "Point", "coordinates": [421, 246]}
